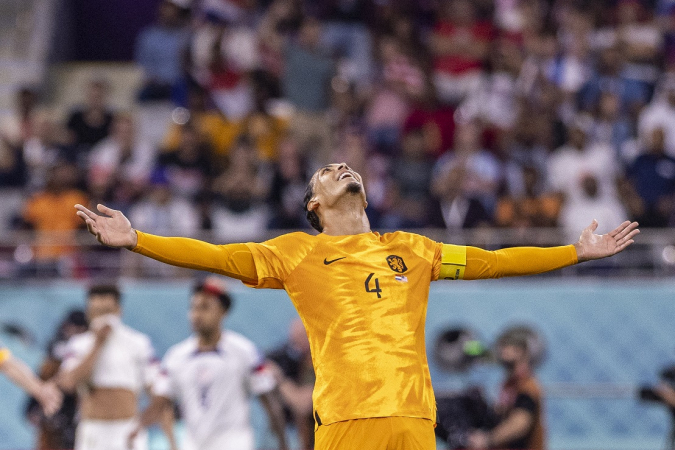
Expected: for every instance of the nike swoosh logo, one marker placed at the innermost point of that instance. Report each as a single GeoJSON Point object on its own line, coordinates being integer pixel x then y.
{"type": "Point", "coordinates": [326, 262]}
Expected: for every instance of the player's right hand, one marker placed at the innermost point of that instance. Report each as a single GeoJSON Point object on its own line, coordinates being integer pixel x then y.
{"type": "Point", "coordinates": [112, 229]}
{"type": "Point", "coordinates": [102, 334]}
{"type": "Point", "coordinates": [50, 398]}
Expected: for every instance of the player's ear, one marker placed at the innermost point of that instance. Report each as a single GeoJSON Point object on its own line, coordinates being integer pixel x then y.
{"type": "Point", "coordinates": [313, 204]}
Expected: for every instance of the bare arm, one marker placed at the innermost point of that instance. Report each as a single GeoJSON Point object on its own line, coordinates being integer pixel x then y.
{"type": "Point", "coordinates": [154, 413]}
{"type": "Point", "coordinates": [47, 394]}
{"type": "Point", "coordinates": [275, 414]}
{"type": "Point", "coordinates": [114, 230]}
{"type": "Point", "coordinates": [70, 379]}
{"type": "Point", "coordinates": [516, 425]}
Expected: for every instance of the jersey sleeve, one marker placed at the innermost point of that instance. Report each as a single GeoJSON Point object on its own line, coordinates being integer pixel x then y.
{"type": "Point", "coordinates": [163, 385]}
{"type": "Point", "coordinates": [232, 260]}
{"type": "Point", "coordinates": [458, 262]}
{"type": "Point", "coordinates": [260, 378]}
{"type": "Point", "coordinates": [149, 363]}
{"type": "Point", "coordinates": [275, 259]}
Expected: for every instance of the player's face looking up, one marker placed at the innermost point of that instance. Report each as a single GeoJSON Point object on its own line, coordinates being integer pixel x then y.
{"type": "Point", "coordinates": [332, 183]}
{"type": "Point", "coordinates": [206, 313]}
{"type": "Point", "coordinates": [101, 304]}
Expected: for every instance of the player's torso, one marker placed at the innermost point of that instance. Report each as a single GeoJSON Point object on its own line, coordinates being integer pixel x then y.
{"type": "Point", "coordinates": [211, 389]}
{"type": "Point", "coordinates": [120, 364]}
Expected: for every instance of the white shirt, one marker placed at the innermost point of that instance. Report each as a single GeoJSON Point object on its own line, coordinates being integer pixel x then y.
{"type": "Point", "coordinates": [106, 159]}
{"type": "Point", "coordinates": [568, 167]}
{"type": "Point", "coordinates": [213, 388]}
{"type": "Point", "coordinates": [127, 359]}
{"type": "Point", "coordinates": [659, 114]}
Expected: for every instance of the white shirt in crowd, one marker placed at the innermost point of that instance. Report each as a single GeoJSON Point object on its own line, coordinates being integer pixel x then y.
{"type": "Point", "coordinates": [127, 359]}
{"type": "Point", "coordinates": [214, 388]}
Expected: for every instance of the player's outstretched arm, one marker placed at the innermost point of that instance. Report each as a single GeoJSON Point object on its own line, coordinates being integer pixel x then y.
{"type": "Point", "coordinates": [519, 261]}
{"type": "Point", "coordinates": [113, 229]}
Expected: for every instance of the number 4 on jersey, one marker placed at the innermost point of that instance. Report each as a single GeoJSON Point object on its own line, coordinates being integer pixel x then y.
{"type": "Point", "coordinates": [377, 289]}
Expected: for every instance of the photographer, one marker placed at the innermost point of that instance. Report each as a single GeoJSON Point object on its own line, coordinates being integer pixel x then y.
{"type": "Point", "coordinates": [519, 406]}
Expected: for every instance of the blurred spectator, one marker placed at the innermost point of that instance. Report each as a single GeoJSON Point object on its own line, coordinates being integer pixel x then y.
{"type": "Point", "coordinates": [534, 208]}
{"type": "Point", "coordinates": [306, 84]}
{"type": "Point", "coordinates": [400, 82]}
{"type": "Point", "coordinates": [660, 113]}
{"type": "Point", "coordinates": [466, 180]}
{"type": "Point", "coordinates": [218, 131]}
{"type": "Point", "coordinates": [50, 213]}
{"type": "Point", "coordinates": [520, 404]}
{"type": "Point", "coordinates": [222, 54]}
{"type": "Point", "coordinates": [91, 123]}
{"type": "Point", "coordinates": [58, 431]}
{"type": "Point", "coordinates": [460, 43]}
{"type": "Point", "coordinates": [412, 174]}
{"type": "Point", "coordinates": [42, 148]}
{"type": "Point", "coordinates": [653, 178]}
{"type": "Point", "coordinates": [346, 36]}
{"type": "Point", "coordinates": [265, 132]}
{"type": "Point", "coordinates": [437, 121]}
{"type": "Point", "coordinates": [122, 160]}
{"type": "Point", "coordinates": [160, 51]}
{"type": "Point", "coordinates": [160, 212]}
{"type": "Point", "coordinates": [292, 366]}
{"type": "Point", "coordinates": [583, 171]}
{"type": "Point", "coordinates": [240, 213]}
{"type": "Point", "coordinates": [189, 167]}
{"type": "Point", "coordinates": [16, 128]}
{"type": "Point", "coordinates": [611, 126]}
{"type": "Point", "coordinates": [287, 189]}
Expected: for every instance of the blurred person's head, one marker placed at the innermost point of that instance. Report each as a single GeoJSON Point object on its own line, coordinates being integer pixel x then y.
{"type": "Point", "coordinates": [513, 353]}
{"type": "Point", "coordinates": [97, 93]}
{"type": "Point", "coordinates": [628, 11]}
{"type": "Point", "coordinates": [26, 100]}
{"type": "Point", "coordinates": [209, 304]}
{"type": "Point", "coordinates": [297, 337]}
{"type": "Point", "coordinates": [610, 60]}
{"type": "Point", "coordinates": [159, 188]}
{"type": "Point", "coordinates": [189, 148]}
{"type": "Point", "coordinates": [609, 105]}
{"type": "Point", "coordinates": [656, 142]}
{"type": "Point", "coordinates": [578, 131]}
{"type": "Point", "coordinates": [62, 177]}
{"type": "Point", "coordinates": [290, 160]}
{"type": "Point", "coordinates": [74, 323]}
{"type": "Point", "coordinates": [468, 136]}
{"type": "Point", "coordinates": [123, 129]}
{"type": "Point", "coordinates": [309, 34]}
{"type": "Point", "coordinates": [589, 186]}
{"type": "Point", "coordinates": [172, 13]}
{"type": "Point", "coordinates": [103, 299]}
{"type": "Point", "coordinates": [412, 144]}
{"type": "Point", "coordinates": [461, 12]}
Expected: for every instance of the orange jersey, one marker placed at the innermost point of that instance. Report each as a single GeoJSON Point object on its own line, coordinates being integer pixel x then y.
{"type": "Point", "coordinates": [363, 300]}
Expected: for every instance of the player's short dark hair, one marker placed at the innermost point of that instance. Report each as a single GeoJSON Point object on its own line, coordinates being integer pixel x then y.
{"type": "Point", "coordinates": [223, 297]}
{"type": "Point", "coordinates": [105, 289]}
{"type": "Point", "coordinates": [312, 216]}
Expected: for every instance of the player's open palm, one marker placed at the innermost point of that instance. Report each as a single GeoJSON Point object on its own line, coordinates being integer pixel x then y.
{"type": "Point", "coordinates": [112, 229]}
{"type": "Point", "coordinates": [595, 246]}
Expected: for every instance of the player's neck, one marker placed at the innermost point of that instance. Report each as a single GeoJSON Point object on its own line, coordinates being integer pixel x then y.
{"type": "Point", "coordinates": [208, 341]}
{"type": "Point", "coordinates": [345, 218]}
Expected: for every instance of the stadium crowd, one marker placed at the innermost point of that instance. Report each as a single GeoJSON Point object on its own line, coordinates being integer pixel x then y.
{"type": "Point", "coordinates": [458, 114]}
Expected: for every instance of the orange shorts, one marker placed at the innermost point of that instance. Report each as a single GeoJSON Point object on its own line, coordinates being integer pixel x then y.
{"type": "Point", "coordinates": [382, 433]}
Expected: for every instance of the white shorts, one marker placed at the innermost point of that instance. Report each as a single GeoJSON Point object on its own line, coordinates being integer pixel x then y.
{"type": "Point", "coordinates": [225, 440]}
{"type": "Point", "coordinates": [108, 435]}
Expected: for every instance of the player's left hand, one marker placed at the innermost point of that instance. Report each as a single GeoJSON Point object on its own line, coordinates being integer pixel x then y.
{"type": "Point", "coordinates": [594, 246]}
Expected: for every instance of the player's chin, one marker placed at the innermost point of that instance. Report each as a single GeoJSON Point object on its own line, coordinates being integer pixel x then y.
{"type": "Point", "coordinates": [354, 187]}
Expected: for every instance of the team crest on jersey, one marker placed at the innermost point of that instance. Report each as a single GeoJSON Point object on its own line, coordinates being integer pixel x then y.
{"type": "Point", "coordinates": [396, 263]}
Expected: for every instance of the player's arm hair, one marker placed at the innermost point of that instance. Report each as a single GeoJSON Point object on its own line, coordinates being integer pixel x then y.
{"type": "Point", "coordinates": [275, 412]}
{"type": "Point", "coordinates": [472, 263]}
{"type": "Point", "coordinates": [20, 374]}
{"type": "Point", "coordinates": [232, 260]}
{"type": "Point", "coordinates": [515, 426]}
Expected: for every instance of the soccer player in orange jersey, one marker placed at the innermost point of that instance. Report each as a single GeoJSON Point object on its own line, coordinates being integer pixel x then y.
{"type": "Point", "coordinates": [362, 297]}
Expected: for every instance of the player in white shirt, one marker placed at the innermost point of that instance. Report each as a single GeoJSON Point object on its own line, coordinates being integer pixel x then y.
{"type": "Point", "coordinates": [108, 366]}
{"type": "Point", "coordinates": [212, 376]}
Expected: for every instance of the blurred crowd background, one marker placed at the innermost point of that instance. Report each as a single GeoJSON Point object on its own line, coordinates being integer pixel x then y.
{"type": "Point", "coordinates": [458, 114]}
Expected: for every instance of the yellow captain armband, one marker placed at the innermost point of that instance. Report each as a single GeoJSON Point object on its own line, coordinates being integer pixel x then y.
{"type": "Point", "coordinates": [453, 262]}
{"type": "Point", "coordinates": [4, 355]}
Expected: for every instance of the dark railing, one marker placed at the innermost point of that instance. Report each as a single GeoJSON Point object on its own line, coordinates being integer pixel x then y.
{"type": "Point", "coordinates": [652, 255]}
